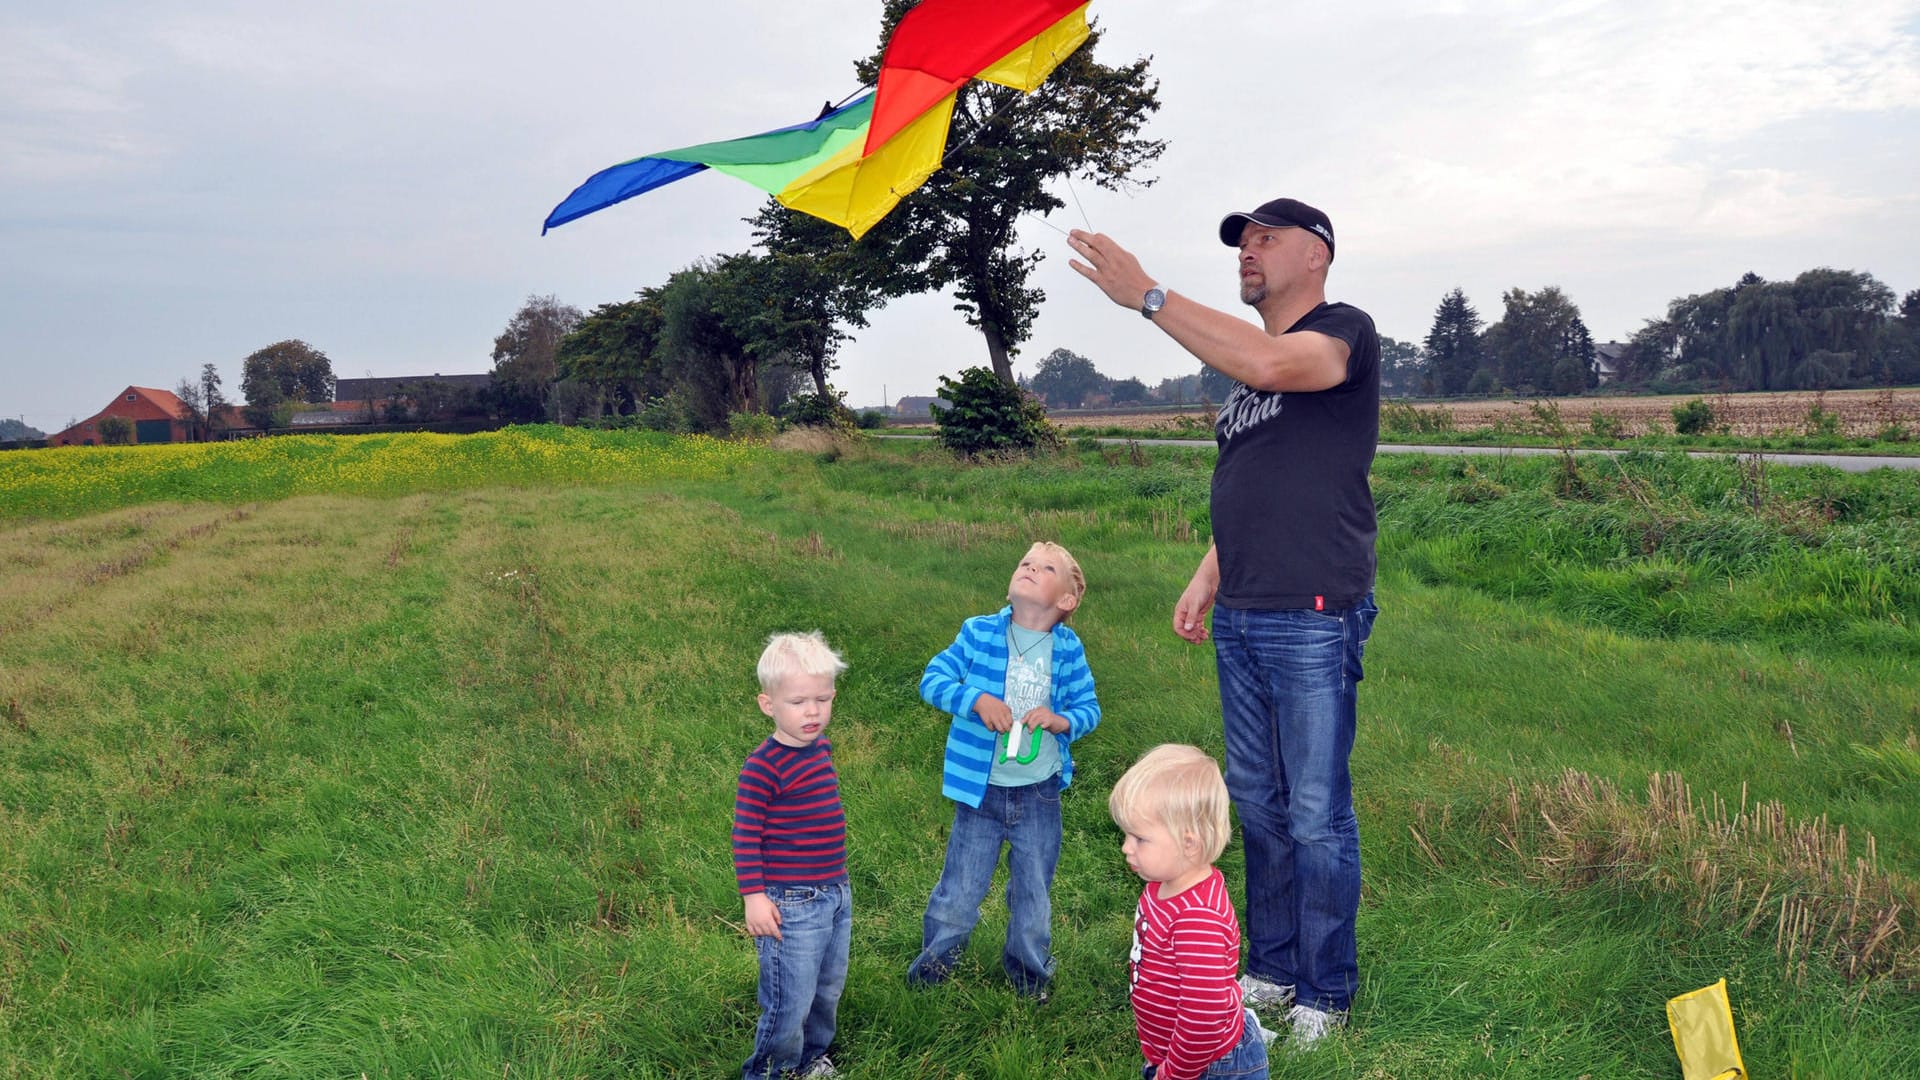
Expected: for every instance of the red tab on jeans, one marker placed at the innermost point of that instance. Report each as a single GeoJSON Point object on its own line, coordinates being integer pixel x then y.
{"type": "Point", "coordinates": [1319, 603]}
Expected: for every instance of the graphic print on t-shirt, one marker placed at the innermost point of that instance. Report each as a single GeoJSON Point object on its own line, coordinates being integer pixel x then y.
{"type": "Point", "coordinates": [1245, 408]}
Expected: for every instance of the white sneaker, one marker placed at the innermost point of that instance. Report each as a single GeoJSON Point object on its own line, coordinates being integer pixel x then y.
{"type": "Point", "coordinates": [1310, 1025]}
{"type": "Point", "coordinates": [1261, 994]}
{"type": "Point", "coordinates": [819, 1069]}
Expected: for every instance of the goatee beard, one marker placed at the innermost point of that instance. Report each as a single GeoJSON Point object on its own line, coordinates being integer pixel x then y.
{"type": "Point", "coordinates": [1252, 295]}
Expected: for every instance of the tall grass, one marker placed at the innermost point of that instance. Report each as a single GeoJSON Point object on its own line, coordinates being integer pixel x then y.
{"type": "Point", "coordinates": [434, 779]}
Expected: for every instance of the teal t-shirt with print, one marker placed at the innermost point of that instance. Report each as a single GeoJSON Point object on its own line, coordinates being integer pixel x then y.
{"type": "Point", "coordinates": [1029, 686]}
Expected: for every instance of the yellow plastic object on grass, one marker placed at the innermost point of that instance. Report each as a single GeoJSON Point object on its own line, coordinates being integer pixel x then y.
{"type": "Point", "coordinates": [1702, 1023]}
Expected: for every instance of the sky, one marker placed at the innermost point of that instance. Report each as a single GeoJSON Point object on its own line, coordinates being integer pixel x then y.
{"type": "Point", "coordinates": [185, 182]}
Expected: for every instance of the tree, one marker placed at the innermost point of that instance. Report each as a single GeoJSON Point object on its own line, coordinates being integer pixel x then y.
{"type": "Point", "coordinates": [1529, 343]}
{"type": "Point", "coordinates": [1453, 345]}
{"type": "Point", "coordinates": [1400, 367]}
{"type": "Point", "coordinates": [958, 230]}
{"type": "Point", "coordinates": [1066, 379]}
{"type": "Point", "coordinates": [285, 371]}
{"type": "Point", "coordinates": [704, 344]}
{"type": "Point", "coordinates": [1127, 391]}
{"type": "Point", "coordinates": [526, 357]}
{"type": "Point", "coordinates": [814, 281]}
{"type": "Point", "coordinates": [203, 401]}
{"type": "Point", "coordinates": [12, 430]}
{"type": "Point", "coordinates": [616, 351]}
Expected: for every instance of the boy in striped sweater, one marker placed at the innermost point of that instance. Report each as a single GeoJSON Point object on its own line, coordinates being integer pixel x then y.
{"type": "Point", "coordinates": [790, 856]}
{"type": "Point", "coordinates": [1017, 685]}
{"type": "Point", "coordinates": [1172, 805]}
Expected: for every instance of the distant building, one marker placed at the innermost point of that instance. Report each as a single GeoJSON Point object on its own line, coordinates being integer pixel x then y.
{"type": "Point", "coordinates": [919, 406]}
{"type": "Point", "coordinates": [157, 416]}
{"type": "Point", "coordinates": [1608, 359]}
{"type": "Point", "coordinates": [386, 389]}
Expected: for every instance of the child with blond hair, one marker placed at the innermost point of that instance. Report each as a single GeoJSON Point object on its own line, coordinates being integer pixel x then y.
{"type": "Point", "coordinates": [1185, 960]}
{"type": "Point", "coordinates": [790, 856]}
{"type": "Point", "coordinates": [1019, 691]}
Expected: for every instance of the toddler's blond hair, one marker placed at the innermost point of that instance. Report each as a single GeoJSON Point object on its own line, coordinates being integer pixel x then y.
{"type": "Point", "coordinates": [790, 654]}
{"type": "Point", "coordinates": [1181, 788]}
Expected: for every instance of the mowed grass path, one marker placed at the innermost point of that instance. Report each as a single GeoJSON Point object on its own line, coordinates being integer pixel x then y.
{"type": "Point", "coordinates": [439, 785]}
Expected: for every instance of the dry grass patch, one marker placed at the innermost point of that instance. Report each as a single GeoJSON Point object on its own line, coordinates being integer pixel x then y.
{"type": "Point", "coordinates": [1820, 893]}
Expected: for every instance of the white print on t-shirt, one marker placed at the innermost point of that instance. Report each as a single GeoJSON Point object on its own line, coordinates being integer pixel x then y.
{"type": "Point", "coordinates": [1134, 953]}
{"type": "Point", "coordinates": [1246, 407]}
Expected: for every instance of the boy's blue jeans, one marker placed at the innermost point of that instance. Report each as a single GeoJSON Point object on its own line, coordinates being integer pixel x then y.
{"type": "Point", "coordinates": [1026, 820]}
{"type": "Point", "coordinates": [801, 976]}
{"type": "Point", "coordinates": [1246, 1061]}
{"type": "Point", "coordinates": [1288, 682]}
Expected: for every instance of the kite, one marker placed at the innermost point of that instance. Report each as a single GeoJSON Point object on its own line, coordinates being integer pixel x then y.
{"type": "Point", "coordinates": [854, 163]}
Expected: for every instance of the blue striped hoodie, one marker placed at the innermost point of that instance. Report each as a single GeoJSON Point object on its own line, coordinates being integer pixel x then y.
{"type": "Point", "coordinates": [975, 664]}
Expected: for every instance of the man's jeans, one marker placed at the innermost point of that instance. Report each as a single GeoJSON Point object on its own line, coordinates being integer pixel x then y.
{"type": "Point", "coordinates": [1287, 693]}
{"type": "Point", "coordinates": [1027, 820]}
{"type": "Point", "coordinates": [801, 976]}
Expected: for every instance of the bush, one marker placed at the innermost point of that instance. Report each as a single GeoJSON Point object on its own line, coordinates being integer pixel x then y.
{"type": "Point", "coordinates": [872, 420]}
{"type": "Point", "coordinates": [1693, 417]}
{"type": "Point", "coordinates": [1606, 426]}
{"type": "Point", "coordinates": [818, 410]}
{"type": "Point", "coordinates": [990, 417]}
{"type": "Point", "coordinates": [115, 430]}
{"type": "Point", "coordinates": [752, 427]}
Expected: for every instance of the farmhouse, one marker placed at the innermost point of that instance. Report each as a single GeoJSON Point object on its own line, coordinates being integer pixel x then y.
{"type": "Point", "coordinates": [157, 417]}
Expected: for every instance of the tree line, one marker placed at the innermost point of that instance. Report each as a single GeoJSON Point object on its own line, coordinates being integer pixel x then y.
{"type": "Point", "coordinates": [1825, 329]}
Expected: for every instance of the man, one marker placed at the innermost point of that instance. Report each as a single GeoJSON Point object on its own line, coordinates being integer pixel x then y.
{"type": "Point", "coordinates": [1290, 580]}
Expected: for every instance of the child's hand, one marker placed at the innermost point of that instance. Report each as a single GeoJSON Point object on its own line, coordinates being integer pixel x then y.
{"type": "Point", "coordinates": [1042, 717]}
{"type": "Point", "coordinates": [763, 917]}
{"type": "Point", "coordinates": [993, 713]}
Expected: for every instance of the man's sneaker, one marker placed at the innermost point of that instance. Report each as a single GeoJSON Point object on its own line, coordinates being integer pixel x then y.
{"type": "Point", "coordinates": [819, 1069]}
{"type": "Point", "coordinates": [1258, 993]}
{"type": "Point", "coordinates": [1310, 1025]}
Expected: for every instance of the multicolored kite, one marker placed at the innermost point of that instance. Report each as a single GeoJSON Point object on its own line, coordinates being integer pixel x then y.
{"type": "Point", "coordinates": [854, 164]}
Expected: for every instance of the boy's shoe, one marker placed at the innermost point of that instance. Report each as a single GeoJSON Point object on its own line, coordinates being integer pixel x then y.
{"type": "Point", "coordinates": [819, 1069]}
{"type": "Point", "coordinates": [1258, 993]}
{"type": "Point", "coordinates": [1310, 1025]}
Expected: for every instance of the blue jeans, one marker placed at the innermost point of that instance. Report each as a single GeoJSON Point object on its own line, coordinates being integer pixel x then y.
{"type": "Point", "coordinates": [802, 973]}
{"type": "Point", "coordinates": [1027, 820]}
{"type": "Point", "coordinates": [1246, 1061]}
{"type": "Point", "coordinates": [1287, 694]}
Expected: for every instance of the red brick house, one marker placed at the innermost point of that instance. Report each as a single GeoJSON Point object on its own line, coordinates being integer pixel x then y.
{"type": "Point", "coordinates": [157, 416]}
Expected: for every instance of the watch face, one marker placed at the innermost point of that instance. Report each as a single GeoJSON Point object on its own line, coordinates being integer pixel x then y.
{"type": "Point", "coordinates": [1156, 299]}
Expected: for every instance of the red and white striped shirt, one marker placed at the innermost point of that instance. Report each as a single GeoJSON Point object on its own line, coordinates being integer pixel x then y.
{"type": "Point", "coordinates": [1185, 964]}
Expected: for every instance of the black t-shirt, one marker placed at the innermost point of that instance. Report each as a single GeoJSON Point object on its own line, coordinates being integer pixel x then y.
{"type": "Point", "coordinates": [1292, 512]}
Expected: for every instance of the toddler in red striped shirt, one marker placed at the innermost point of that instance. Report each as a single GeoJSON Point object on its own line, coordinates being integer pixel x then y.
{"type": "Point", "coordinates": [1185, 960]}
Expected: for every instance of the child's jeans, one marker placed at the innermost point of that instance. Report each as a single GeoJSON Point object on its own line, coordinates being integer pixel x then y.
{"type": "Point", "coordinates": [1246, 1061]}
{"type": "Point", "coordinates": [1027, 820]}
{"type": "Point", "coordinates": [802, 973]}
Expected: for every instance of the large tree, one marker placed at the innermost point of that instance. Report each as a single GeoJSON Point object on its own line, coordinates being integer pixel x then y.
{"type": "Point", "coordinates": [1400, 367]}
{"type": "Point", "coordinates": [1532, 338]}
{"type": "Point", "coordinates": [1453, 345]}
{"type": "Point", "coordinates": [286, 371]}
{"type": "Point", "coordinates": [615, 351]}
{"type": "Point", "coordinates": [526, 357]}
{"type": "Point", "coordinates": [1066, 379]}
{"type": "Point", "coordinates": [813, 282]}
{"type": "Point", "coordinates": [705, 341]}
{"type": "Point", "coordinates": [1003, 150]}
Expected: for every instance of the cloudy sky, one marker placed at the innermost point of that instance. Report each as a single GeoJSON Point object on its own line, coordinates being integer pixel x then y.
{"type": "Point", "coordinates": [189, 180]}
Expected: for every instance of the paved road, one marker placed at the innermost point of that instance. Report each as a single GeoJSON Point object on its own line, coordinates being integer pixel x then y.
{"type": "Point", "coordinates": [1843, 462]}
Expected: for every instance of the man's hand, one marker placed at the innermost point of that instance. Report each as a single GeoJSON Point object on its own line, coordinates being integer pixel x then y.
{"type": "Point", "coordinates": [763, 916]}
{"type": "Point", "coordinates": [993, 712]}
{"type": "Point", "coordinates": [1190, 613]}
{"type": "Point", "coordinates": [1110, 266]}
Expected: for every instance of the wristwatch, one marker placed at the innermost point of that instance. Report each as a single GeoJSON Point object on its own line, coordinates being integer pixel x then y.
{"type": "Point", "coordinates": [1155, 299]}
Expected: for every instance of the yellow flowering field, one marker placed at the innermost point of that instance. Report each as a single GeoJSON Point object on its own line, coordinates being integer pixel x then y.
{"type": "Point", "coordinates": [64, 481]}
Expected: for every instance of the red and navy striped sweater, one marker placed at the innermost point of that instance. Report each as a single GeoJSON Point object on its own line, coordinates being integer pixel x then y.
{"type": "Point", "coordinates": [788, 828]}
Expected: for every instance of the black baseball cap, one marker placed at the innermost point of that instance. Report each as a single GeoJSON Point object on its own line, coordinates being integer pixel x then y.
{"type": "Point", "coordinates": [1280, 213]}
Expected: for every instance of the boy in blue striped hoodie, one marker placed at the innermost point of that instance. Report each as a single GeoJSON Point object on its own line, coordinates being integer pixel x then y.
{"type": "Point", "coordinates": [1019, 689]}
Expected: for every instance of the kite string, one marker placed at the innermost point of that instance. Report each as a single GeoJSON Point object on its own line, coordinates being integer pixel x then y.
{"type": "Point", "coordinates": [1006, 103]}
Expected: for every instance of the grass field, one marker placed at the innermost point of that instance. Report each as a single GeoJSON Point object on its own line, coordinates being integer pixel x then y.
{"type": "Point", "coordinates": [423, 766]}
